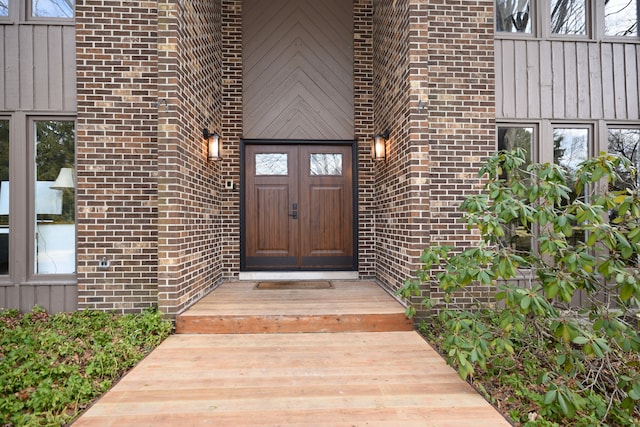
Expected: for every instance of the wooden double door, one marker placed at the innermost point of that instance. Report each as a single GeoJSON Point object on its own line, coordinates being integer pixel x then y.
{"type": "Point", "coordinates": [298, 207]}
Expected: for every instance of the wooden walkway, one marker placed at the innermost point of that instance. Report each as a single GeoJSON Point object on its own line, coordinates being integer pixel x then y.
{"type": "Point", "coordinates": [293, 379]}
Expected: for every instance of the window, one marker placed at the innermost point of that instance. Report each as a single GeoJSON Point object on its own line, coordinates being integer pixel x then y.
{"type": "Point", "coordinates": [4, 8]}
{"type": "Point", "coordinates": [569, 17]}
{"type": "Point", "coordinates": [625, 142]}
{"type": "Point", "coordinates": [325, 164]}
{"type": "Point", "coordinates": [570, 148]}
{"type": "Point", "coordinates": [52, 8]}
{"type": "Point", "coordinates": [272, 164]}
{"type": "Point", "coordinates": [54, 197]}
{"type": "Point", "coordinates": [517, 236]}
{"type": "Point", "coordinates": [513, 16]}
{"type": "Point", "coordinates": [621, 17]}
{"type": "Point", "coordinates": [4, 196]}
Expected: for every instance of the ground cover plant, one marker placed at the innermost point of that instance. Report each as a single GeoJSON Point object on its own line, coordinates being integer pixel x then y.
{"type": "Point", "coordinates": [560, 344]}
{"type": "Point", "coordinates": [53, 366]}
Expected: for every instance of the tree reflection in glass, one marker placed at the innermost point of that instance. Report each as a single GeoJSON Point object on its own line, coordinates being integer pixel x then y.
{"type": "Point", "coordinates": [513, 16]}
{"type": "Point", "coordinates": [517, 236]}
{"type": "Point", "coordinates": [568, 17]}
{"type": "Point", "coordinates": [570, 148]}
{"type": "Point", "coordinates": [621, 17]}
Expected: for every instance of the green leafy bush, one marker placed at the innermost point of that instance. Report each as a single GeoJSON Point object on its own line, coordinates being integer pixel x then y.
{"type": "Point", "coordinates": [52, 367]}
{"type": "Point", "coordinates": [586, 223]}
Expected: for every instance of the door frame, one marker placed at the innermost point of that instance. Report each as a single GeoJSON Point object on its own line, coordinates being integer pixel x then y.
{"type": "Point", "coordinates": [354, 167]}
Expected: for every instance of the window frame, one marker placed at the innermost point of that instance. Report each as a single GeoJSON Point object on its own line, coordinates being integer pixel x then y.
{"type": "Point", "coordinates": [31, 223]}
{"type": "Point", "coordinates": [28, 14]}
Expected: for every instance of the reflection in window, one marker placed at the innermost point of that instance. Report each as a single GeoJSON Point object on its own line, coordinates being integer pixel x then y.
{"type": "Point", "coordinates": [570, 148]}
{"type": "Point", "coordinates": [271, 164]}
{"type": "Point", "coordinates": [517, 236]}
{"type": "Point", "coordinates": [4, 7]}
{"type": "Point", "coordinates": [568, 17]}
{"type": "Point", "coordinates": [52, 8]}
{"type": "Point", "coordinates": [55, 197]}
{"type": "Point", "coordinates": [626, 143]}
{"type": "Point", "coordinates": [325, 164]}
{"type": "Point", "coordinates": [621, 17]}
{"type": "Point", "coordinates": [513, 16]}
{"type": "Point", "coordinates": [4, 197]}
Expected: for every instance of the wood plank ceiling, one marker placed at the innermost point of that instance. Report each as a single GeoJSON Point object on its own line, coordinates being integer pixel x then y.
{"type": "Point", "coordinates": [298, 69]}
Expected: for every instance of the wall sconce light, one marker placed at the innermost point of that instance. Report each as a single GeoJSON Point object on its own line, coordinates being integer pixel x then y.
{"type": "Point", "coordinates": [379, 145]}
{"type": "Point", "coordinates": [213, 144]}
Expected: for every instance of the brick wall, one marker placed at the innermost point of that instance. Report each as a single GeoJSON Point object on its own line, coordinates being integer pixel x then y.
{"type": "Point", "coordinates": [189, 187]}
{"type": "Point", "coordinates": [151, 75]}
{"type": "Point", "coordinates": [395, 225]}
{"type": "Point", "coordinates": [434, 89]}
{"type": "Point", "coordinates": [116, 45]}
{"type": "Point", "coordinates": [460, 112]}
{"type": "Point", "coordinates": [363, 125]}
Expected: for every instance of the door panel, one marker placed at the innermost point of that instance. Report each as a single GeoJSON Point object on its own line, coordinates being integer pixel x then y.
{"type": "Point", "coordinates": [326, 192]}
{"type": "Point", "coordinates": [271, 190]}
{"type": "Point", "coordinates": [298, 207]}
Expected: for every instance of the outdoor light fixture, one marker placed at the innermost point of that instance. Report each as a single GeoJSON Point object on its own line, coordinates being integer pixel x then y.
{"type": "Point", "coordinates": [379, 145]}
{"type": "Point", "coordinates": [213, 144]}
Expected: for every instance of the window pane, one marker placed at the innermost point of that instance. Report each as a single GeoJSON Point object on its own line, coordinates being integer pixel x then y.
{"type": "Point", "coordinates": [517, 236]}
{"type": "Point", "coordinates": [55, 197]}
{"type": "Point", "coordinates": [621, 17]}
{"type": "Point", "coordinates": [4, 197]}
{"type": "Point", "coordinates": [513, 16]}
{"type": "Point", "coordinates": [626, 142]}
{"type": "Point", "coordinates": [568, 17]}
{"type": "Point", "coordinates": [52, 8]}
{"type": "Point", "coordinates": [570, 148]}
{"type": "Point", "coordinates": [4, 7]}
{"type": "Point", "coordinates": [271, 164]}
{"type": "Point", "coordinates": [325, 164]}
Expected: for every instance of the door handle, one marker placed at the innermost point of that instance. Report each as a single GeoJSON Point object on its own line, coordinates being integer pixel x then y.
{"type": "Point", "coordinates": [294, 211]}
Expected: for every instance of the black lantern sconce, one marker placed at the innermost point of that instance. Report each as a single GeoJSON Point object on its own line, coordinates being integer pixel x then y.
{"type": "Point", "coordinates": [379, 145]}
{"type": "Point", "coordinates": [214, 146]}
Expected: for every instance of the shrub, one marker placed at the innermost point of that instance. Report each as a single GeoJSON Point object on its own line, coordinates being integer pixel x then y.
{"type": "Point", "coordinates": [587, 227]}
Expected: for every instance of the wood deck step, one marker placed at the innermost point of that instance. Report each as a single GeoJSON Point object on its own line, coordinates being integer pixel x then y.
{"type": "Point", "coordinates": [243, 307]}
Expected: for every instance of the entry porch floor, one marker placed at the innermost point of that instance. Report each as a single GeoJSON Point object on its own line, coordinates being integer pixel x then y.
{"type": "Point", "coordinates": [346, 378]}
{"type": "Point", "coordinates": [305, 306]}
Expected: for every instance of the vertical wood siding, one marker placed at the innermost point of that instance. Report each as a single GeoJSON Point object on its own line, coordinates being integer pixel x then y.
{"type": "Point", "coordinates": [298, 69]}
{"type": "Point", "coordinates": [567, 80]}
{"type": "Point", "coordinates": [54, 298]}
{"type": "Point", "coordinates": [37, 68]}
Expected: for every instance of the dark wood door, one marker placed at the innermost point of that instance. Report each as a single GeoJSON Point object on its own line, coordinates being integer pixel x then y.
{"type": "Point", "coordinates": [298, 207]}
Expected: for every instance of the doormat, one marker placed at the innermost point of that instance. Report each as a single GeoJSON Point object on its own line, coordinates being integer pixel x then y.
{"type": "Point", "coordinates": [296, 284]}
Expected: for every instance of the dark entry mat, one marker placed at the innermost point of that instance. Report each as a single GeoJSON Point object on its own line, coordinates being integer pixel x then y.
{"type": "Point", "coordinates": [297, 284]}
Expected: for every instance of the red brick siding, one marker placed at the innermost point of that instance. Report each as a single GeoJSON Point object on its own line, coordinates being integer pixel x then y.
{"type": "Point", "coordinates": [116, 58]}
